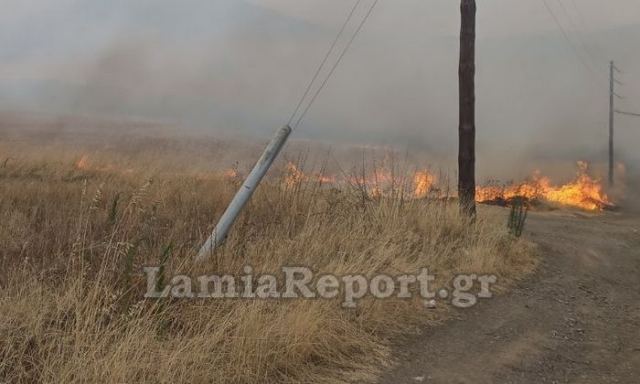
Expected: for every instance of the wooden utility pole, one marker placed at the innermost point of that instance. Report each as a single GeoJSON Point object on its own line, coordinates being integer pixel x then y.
{"type": "Point", "coordinates": [612, 93]}
{"type": "Point", "coordinates": [467, 127]}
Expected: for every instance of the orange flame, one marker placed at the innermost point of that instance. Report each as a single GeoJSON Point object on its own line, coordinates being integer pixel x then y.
{"type": "Point", "coordinates": [231, 174]}
{"type": "Point", "coordinates": [83, 163]}
{"type": "Point", "coordinates": [293, 175]}
{"type": "Point", "coordinates": [583, 192]}
{"type": "Point", "coordinates": [423, 181]}
{"type": "Point", "coordinates": [324, 179]}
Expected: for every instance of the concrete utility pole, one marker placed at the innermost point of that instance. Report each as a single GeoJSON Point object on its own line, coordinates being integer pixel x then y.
{"type": "Point", "coordinates": [467, 99]}
{"type": "Point", "coordinates": [219, 234]}
{"type": "Point", "coordinates": [612, 93]}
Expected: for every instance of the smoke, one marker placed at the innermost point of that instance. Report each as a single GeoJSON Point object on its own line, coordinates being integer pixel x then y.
{"type": "Point", "coordinates": [240, 66]}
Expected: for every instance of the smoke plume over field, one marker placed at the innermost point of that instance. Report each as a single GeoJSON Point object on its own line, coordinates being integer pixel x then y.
{"type": "Point", "coordinates": [229, 66]}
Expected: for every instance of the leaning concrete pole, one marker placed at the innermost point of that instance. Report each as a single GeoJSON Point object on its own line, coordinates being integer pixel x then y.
{"type": "Point", "coordinates": [241, 198]}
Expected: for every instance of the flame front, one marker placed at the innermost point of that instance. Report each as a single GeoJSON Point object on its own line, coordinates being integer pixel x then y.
{"type": "Point", "coordinates": [82, 163]}
{"type": "Point", "coordinates": [231, 174]}
{"type": "Point", "coordinates": [85, 164]}
{"type": "Point", "coordinates": [293, 175]}
{"type": "Point", "coordinates": [583, 192]}
{"type": "Point", "coordinates": [423, 182]}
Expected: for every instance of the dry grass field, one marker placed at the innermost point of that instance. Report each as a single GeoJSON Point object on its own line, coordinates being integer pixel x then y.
{"type": "Point", "coordinates": [76, 232]}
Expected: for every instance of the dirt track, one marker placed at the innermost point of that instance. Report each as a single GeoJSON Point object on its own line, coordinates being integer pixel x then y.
{"type": "Point", "coordinates": [577, 320]}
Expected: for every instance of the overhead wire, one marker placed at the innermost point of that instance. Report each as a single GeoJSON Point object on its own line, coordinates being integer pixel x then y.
{"type": "Point", "coordinates": [575, 50]}
{"type": "Point", "coordinates": [582, 21]}
{"type": "Point", "coordinates": [325, 59]}
{"type": "Point", "coordinates": [581, 42]}
{"type": "Point", "coordinates": [335, 65]}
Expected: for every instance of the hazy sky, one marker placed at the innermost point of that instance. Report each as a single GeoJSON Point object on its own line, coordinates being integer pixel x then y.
{"type": "Point", "coordinates": [240, 65]}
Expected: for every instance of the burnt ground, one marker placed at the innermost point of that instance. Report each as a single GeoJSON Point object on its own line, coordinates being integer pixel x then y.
{"type": "Point", "coordinates": [576, 320]}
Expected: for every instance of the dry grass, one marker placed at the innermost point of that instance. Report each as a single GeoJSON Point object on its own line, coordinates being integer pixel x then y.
{"type": "Point", "coordinates": [74, 242]}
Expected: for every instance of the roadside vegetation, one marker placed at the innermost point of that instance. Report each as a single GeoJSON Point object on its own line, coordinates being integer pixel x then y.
{"type": "Point", "coordinates": [75, 238]}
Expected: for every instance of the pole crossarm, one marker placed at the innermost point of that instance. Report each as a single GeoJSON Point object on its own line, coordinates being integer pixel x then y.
{"type": "Point", "coordinates": [627, 113]}
{"type": "Point", "coordinates": [612, 114]}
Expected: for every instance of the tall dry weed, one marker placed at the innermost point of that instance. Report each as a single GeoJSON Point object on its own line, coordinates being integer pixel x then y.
{"type": "Point", "coordinates": [75, 241]}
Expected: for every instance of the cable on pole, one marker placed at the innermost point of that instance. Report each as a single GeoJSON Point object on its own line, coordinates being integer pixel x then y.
{"type": "Point", "coordinates": [335, 65]}
{"type": "Point", "coordinates": [576, 51]}
{"type": "Point", "coordinates": [584, 24]}
{"type": "Point", "coordinates": [574, 24]}
{"type": "Point", "coordinates": [325, 59]}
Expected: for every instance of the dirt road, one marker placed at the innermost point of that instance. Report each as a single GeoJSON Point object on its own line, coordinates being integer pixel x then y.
{"type": "Point", "coordinates": [577, 320]}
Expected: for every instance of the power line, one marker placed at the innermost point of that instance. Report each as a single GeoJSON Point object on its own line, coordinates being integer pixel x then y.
{"type": "Point", "coordinates": [565, 34]}
{"type": "Point", "coordinates": [583, 22]}
{"type": "Point", "coordinates": [580, 40]}
{"type": "Point", "coordinates": [335, 66]}
{"type": "Point", "coordinates": [324, 61]}
{"type": "Point", "coordinates": [568, 39]}
{"type": "Point", "coordinates": [578, 12]}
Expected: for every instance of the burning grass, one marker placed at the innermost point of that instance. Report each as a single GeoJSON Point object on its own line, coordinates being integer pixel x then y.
{"type": "Point", "coordinates": [76, 235]}
{"type": "Point", "coordinates": [583, 192]}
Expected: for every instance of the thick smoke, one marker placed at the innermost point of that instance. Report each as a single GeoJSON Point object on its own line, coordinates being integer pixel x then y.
{"type": "Point", "coordinates": [238, 66]}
